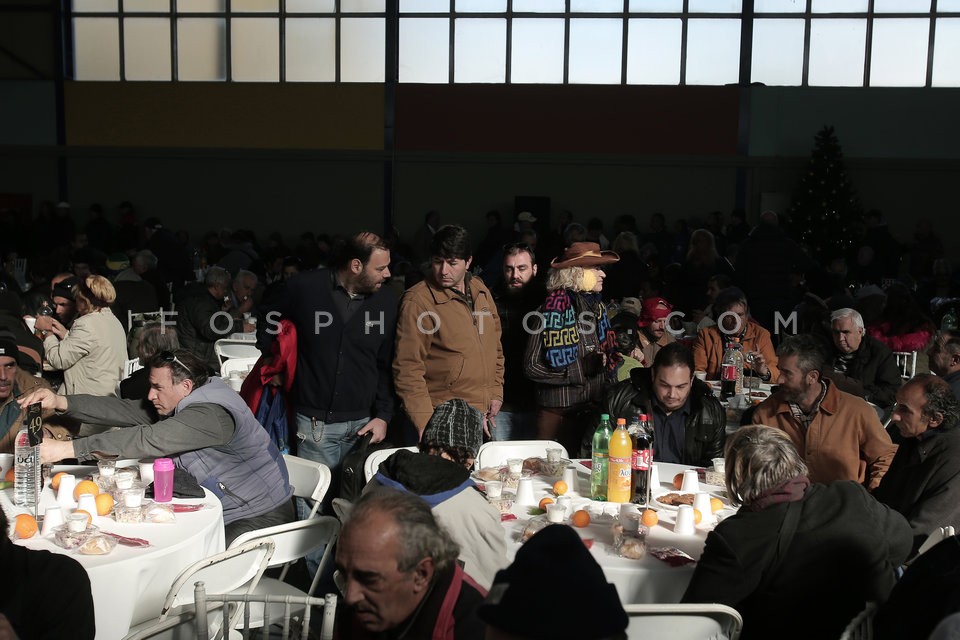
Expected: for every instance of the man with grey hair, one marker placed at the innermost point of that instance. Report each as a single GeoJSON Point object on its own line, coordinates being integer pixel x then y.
{"type": "Point", "coordinates": [923, 482]}
{"type": "Point", "coordinates": [201, 317]}
{"type": "Point", "coordinates": [838, 435]}
{"type": "Point", "coordinates": [862, 365]}
{"type": "Point", "coordinates": [398, 573]}
{"type": "Point", "coordinates": [944, 358]}
{"type": "Point", "coordinates": [241, 298]}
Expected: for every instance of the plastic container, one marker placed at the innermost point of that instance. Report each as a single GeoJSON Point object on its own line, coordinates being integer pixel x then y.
{"type": "Point", "coordinates": [163, 479]}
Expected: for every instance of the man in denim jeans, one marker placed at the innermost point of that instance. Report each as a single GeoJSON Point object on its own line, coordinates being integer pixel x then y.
{"type": "Point", "coordinates": [346, 322]}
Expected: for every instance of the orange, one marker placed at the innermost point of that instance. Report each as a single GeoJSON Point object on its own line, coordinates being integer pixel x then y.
{"type": "Point", "coordinates": [649, 517]}
{"type": "Point", "coordinates": [580, 518]}
{"type": "Point", "coordinates": [55, 480]}
{"type": "Point", "coordinates": [11, 476]}
{"type": "Point", "coordinates": [678, 481]}
{"type": "Point", "coordinates": [104, 504]}
{"type": "Point", "coordinates": [89, 517]}
{"type": "Point", "coordinates": [560, 487]}
{"type": "Point", "coordinates": [545, 502]}
{"type": "Point", "coordinates": [26, 526]}
{"type": "Point", "coordinates": [716, 504]}
{"type": "Point", "coordinates": [85, 486]}
{"type": "Point", "coordinates": [697, 516]}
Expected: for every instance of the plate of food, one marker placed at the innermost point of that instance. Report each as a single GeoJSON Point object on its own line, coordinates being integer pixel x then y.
{"type": "Point", "coordinates": [674, 499]}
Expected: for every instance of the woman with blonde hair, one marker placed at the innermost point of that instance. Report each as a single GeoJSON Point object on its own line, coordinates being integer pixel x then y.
{"type": "Point", "coordinates": [93, 352]}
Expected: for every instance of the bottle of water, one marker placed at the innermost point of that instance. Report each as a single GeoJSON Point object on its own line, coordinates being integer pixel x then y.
{"type": "Point", "coordinates": [26, 485]}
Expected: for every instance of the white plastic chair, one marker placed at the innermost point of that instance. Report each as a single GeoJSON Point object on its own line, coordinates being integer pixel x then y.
{"type": "Point", "coordinates": [293, 540]}
{"type": "Point", "coordinates": [328, 604]}
{"type": "Point", "coordinates": [906, 363]}
{"type": "Point", "coordinates": [242, 565]}
{"type": "Point", "coordinates": [372, 463]}
{"type": "Point", "coordinates": [683, 621]}
{"type": "Point", "coordinates": [129, 367]}
{"type": "Point", "coordinates": [936, 536]}
{"type": "Point", "coordinates": [310, 480]}
{"type": "Point", "coordinates": [496, 453]}
{"type": "Point", "coordinates": [861, 627]}
{"type": "Point", "coordinates": [226, 349]}
{"type": "Point", "coordinates": [236, 364]}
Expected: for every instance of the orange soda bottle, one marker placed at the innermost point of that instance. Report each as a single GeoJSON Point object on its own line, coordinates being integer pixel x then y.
{"type": "Point", "coordinates": [619, 473]}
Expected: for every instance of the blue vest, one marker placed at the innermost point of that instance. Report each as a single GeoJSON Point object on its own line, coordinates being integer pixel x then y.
{"type": "Point", "coordinates": [248, 473]}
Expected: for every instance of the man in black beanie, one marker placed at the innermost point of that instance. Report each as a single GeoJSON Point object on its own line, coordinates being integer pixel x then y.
{"type": "Point", "coordinates": [551, 557]}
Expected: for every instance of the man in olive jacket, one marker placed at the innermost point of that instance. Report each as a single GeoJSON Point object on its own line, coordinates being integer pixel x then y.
{"type": "Point", "coordinates": [689, 423]}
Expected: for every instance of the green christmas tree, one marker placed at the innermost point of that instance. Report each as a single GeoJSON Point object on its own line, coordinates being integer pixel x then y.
{"type": "Point", "coordinates": [825, 212]}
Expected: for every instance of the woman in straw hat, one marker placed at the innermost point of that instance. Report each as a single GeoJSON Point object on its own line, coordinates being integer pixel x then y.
{"type": "Point", "coordinates": [571, 353]}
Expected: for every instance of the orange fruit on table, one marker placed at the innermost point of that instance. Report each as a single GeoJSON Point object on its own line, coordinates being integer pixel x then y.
{"type": "Point", "coordinates": [55, 480]}
{"type": "Point", "coordinates": [85, 486]}
{"type": "Point", "coordinates": [11, 476]}
{"type": "Point", "coordinates": [86, 513]}
{"type": "Point", "coordinates": [545, 502]}
{"type": "Point", "coordinates": [560, 487]}
{"type": "Point", "coordinates": [649, 517]}
{"type": "Point", "coordinates": [104, 504]}
{"type": "Point", "coordinates": [26, 526]}
{"type": "Point", "coordinates": [697, 516]}
{"type": "Point", "coordinates": [580, 518]}
{"type": "Point", "coordinates": [716, 504]}
{"type": "Point", "coordinates": [678, 481]}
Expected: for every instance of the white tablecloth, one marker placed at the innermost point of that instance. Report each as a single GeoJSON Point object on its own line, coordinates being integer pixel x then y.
{"type": "Point", "coordinates": [129, 584]}
{"type": "Point", "coordinates": [643, 581]}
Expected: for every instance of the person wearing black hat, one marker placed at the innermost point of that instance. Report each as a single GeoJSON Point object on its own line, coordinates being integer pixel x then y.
{"type": "Point", "coordinates": [13, 383]}
{"type": "Point", "coordinates": [555, 555]}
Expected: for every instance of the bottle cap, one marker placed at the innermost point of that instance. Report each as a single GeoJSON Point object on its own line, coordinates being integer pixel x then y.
{"type": "Point", "coordinates": [621, 421]}
{"type": "Point", "coordinates": [604, 416]}
{"type": "Point", "coordinates": [163, 464]}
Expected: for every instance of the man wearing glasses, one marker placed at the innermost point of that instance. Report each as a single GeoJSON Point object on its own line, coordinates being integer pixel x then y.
{"type": "Point", "coordinates": [201, 423]}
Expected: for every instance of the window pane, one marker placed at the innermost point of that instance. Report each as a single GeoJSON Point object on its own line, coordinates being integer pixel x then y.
{"type": "Point", "coordinates": [837, 52]}
{"type": "Point", "coordinates": [86, 6]}
{"type": "Point", "coordinates": [596, 6]}
{"type": "Point", "coordinates": [480, 50]}
{"type": "Point", "coordinates": [946, 53]}
{"type": "Point", "coordinates": [948, 6]}
{"type": "Point", "coordinates": [201, 6]}
{"type": "Point", "coordinates": [146, 48]}
{"type": "Point", "coordinates": [485, 6]}
{"type": "Point", "coordinates": [539, 6]}
{"type": "Point", "coordinates": [899, 52]}
{"type": "Point", "coordinates": [362, 49]}
{"type": "Point", "coordinates": [713, 51]}
{"type": "Point", "coordinates": [714, 6]}
{"type": "Point", "coordinates": [350, 6]}
{"type": "Point", "coordinates": [779, 6]}
{"type": "Point", "coordinates": [421, 6]}
{"type": "Point", "coordinates": [901, 6]}
{"type": "Point", "coordinates": [201, 49]}
{"type": "Point", "coordinates": [595, 51]}
{"type": "Point", "coordinates": [656, 6]}
{"type": "Point", "coordinates": [653, 51]}
{"type": "Point", "coordinates": [311, 48]}
{"type": "Point", "coordinates": [96, 43]}
{"type": "Point", "coordinates": [424, 50]}
{"type": "Point", "coordinates": [309, 6]}
{"type": "Point", "coordinates": [133, 6]}
{"type": "Point", "coordinates": [254, 6]}
{"type": "Point", "coordinates": [838, 6]}
{"type": "Point", "coordinates": [777, 57]}
{"type": "Point", "coordinates": [537, 50]}
{"type": "Point", "coordinates": [255, 49]}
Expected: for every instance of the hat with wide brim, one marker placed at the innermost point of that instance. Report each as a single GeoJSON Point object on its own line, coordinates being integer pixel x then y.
{"type": "Point", "coordinates": [584, 254]}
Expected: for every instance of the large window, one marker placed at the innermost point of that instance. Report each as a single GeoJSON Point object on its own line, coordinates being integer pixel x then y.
{"type": "Point", "coordinates": [890, 43]}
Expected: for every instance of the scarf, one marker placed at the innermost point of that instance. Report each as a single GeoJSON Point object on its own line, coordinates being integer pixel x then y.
{"type": "Point", "coordinates": [790, 491]}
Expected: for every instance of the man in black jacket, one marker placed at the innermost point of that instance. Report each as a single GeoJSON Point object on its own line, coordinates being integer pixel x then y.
{"type": "Point", "coordinates": [689, 423]}
{"type": "Point", "coordinates": [862, 365]}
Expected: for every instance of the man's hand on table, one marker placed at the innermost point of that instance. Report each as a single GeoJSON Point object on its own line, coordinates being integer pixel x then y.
{"type": "Point", "coordinates": [48, 400]}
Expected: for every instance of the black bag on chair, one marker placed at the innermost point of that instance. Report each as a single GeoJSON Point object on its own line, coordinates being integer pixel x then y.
{"type": "Point", "coordinates": [351, 477]}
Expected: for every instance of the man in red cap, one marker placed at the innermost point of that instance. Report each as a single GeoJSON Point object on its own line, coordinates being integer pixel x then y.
{"type": "Point", "coordinates": [653, 327]}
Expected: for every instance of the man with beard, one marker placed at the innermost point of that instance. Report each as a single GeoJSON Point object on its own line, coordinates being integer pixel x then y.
{"type": "Point", "coordinates": [944, 354]}
{"type": "Point", "coordinates": [520, 293]}
{"type": "Point", "coordinates": [345, 322]}
{"type": "Point", "coordinates": [839, 435]}
{"type": "Point", "coordinates": [653, 334]}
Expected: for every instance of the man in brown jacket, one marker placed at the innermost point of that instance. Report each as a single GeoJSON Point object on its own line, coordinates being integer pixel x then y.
{"type": "Point", "coordinates": [448, 336]}
{"type": "Point", "coordinates": [838, 435]}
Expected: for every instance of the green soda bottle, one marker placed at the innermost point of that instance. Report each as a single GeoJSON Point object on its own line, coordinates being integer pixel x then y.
{"type": "Point", "coordinates": [600, 458]}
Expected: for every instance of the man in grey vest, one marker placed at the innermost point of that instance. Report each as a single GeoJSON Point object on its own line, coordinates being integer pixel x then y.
{"type": "Point", "coordinates": [201, 423]}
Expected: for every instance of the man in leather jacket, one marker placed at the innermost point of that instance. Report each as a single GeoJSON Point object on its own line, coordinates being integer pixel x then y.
{"type": "Point", "coordinates": [689, 423]}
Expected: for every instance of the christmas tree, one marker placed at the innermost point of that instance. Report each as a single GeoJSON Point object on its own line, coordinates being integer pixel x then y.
{"type": "Point", "coordinates": [825, 212]}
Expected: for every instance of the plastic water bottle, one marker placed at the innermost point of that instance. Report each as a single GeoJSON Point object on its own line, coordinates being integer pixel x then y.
{"type": "Point", "coordinates": [599, 458]}
{"type": "Point", "coordinates": [26, 486]}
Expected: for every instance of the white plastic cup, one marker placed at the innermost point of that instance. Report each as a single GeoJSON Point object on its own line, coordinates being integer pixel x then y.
{"type": "Point", "coordinates": [65, 493]}
{"type": "Point", "coordinates": [570, 478]}
{"type": "Point", "coordinates": [567, 503]}
{"type": "Point", "coordinates": [691, 484]}
{"type": "Point", "coordinates": [52, 517]}
{"type": "Point", "coordinates": [107, 468]}
{"type": "Point", "coordinates": [629, 516]}
{"type": "Point", "coordinates": [701, 502]}
{"type": "Point", "coordinates": [515, 466]}
{"type": "Point", "coordinates": [88, 503]}
{"type": "Point", "coordinates": [146, 470]}
{"type": "Point", "coordinates": [494, 489]}
{"type": "Point", "coordinates": [132, 497]}
{"type": "Point", "coordinates": [525, 492]}
{"type": "Point", "coordinates": [654, 477]}
{"type": "Point", "coordinates": [719, 465]}
{"type": "Point", "coordinates": [700, 375]}
{"type": "Point", "coordinates": [554, 454]}
{"type": "Point", "coordinates": [123, 479]}
{"type": "Point", "coordinates": [76, 522]}
{"type": "Point", "coordinates": [685, 525]}
{"type": "Point", "coordinates": [555, 512]}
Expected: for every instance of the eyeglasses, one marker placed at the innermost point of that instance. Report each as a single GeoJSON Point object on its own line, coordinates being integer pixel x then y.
{"type": "Point", "coordinates": [170, 356]}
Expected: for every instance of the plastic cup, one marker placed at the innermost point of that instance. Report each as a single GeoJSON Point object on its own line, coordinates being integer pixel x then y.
{"type": "Point", "coordinates": [554, 454]}
{"type": "Point", "coordinates": [52, 517]}
{"type": "Point", "coordinates": [700, 375]}
{"type": "Point", "coordinates": [567, 503]}
{"type": "Point", "coordinates": [107, 468]}
{"type": "Point", "coordinates": [719, 465]}
{"type": "Point", "coordinates": [65, 493]}
{"type": "Point", "coordinates": [570, 477]}
{"type": "Point", "coordinates": [654, 477]}
{"type": "Point", "coordinates": [132, 497]}
{"type": "Point", "coordinates": [701, 502]}
{"type": "Point", "coordinates": [124, 479]}
{"type": "Point", "coordinates": [494, 489]}
{"type": "Point", "coordinates": [146, 470]}
{"type": "Point", "coordinates": [515, 466]}
{"type": "Point", "coordinates": [525, 492]}
{"type": "Point", "coordinates": [685, 525]}
{"type": "Point", "coordinates": [555, 512]}
{"type": "Point", "coordinates": [691, 484]}
{"type": "Point", "coordinates": [88, 503]}
{"type": "Point", "coordinates": [76, 522]}
{"type": "Point", "coordinates": [6, 462]}
{"type": "Point", "coordinates": [629, 516]}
